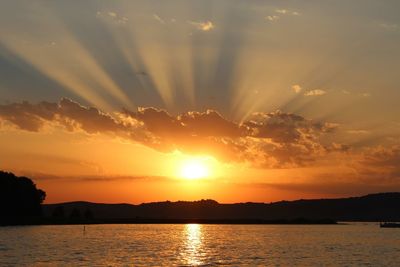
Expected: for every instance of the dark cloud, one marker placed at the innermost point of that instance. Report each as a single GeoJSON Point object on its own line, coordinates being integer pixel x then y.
{"type": "Point", "coordinates": [27, 116]}
{"type": "Point", "coordinates": [32, 117]}
{"type": "Point", "coordinates": [350, 188]}
{"type": "Point", "coordinates": [210, 123]}
{"type": "Point", "coordinates": [114, 178]}
{"type": "Point", "coordinates": [89, 119]}
{"type": "Point", "coordinates": [38, 176]}
{"type": "Point", "coordinates": [285, 127]}
{"type": "Point", "coordinates": [380, 163]}
{"type": "Point", "coordinates": [381, 156]}
{"type": "Point", "coordinates": [270, 140]}
{"type": "Point", "coordinates": [201, 124]}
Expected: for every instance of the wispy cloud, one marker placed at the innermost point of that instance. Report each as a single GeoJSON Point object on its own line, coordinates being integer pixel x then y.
{"type": "Point", "coordinates": [158, 18]}
{"type": "Point", "coordinates": [272, 18]}
{"type": "Point", "coordinates": [112, 16]}
{"type": "Point", "coordinates": [389, 26]}
{"type": "Point", "coordinates": [359, 94]}
{"type": "Point", "coordinates": [279, 13]}
{"type": "Point", "coordinates": [296, 88]}
{"type": "Point", "coordinates": [316, 92]}
{"type": "Point", "coordinates": [202, 25]}
{"type": "Point", "coordinates": [346, 92]}
{"type": "Point", "coordinates": [287, 12]}
{"type": "Point", "coordinates": [38, 176]}
{"type": "Point", "coordinates": [358, 132]}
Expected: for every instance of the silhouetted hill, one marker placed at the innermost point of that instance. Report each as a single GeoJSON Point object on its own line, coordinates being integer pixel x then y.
{"type": "Point", "coordinates": [374, 207]}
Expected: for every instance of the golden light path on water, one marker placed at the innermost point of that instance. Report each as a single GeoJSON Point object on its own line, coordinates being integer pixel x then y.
{"type": "Point", "coordinates": [192, 253]}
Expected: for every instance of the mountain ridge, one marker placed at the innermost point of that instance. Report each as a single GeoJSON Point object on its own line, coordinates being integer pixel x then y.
{"type": "Point", "coordinates": [371, 207]}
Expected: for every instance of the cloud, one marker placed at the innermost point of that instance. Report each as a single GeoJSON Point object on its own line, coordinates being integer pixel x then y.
{"type": "Point", "coordinates": [346, 92]}
{"type": "Point", "coordinates": [282, 12]}
{"type": "Point", "coordinates": [362, 94]}
{"type": "Point", "coordinates": [157, 18]}
{"type": "Point", "coordinates": [268, 140]}
{"type": "Point", "coordinates": [365, 94]}
{"type": "Point", "coordinates": [38, 176]}
{"type": "Point", "coordinates": [358, 132]}
{"type": "Point", "coordinates": [316, 92]}
{"type": "Point", "coordinates": [379, 163]}
{"type": "Point", "coordinates": [272, 18]}
{"type": "Point", "coordinates": [381, 156]}
{"type": "Point", "coordinates": [265, 140]}
{"type": "Point", "coordinates": [113, 178]}
{"type": "Point", "coordinates": [296, 88]}
{"type": "Point", "coordinates": [112, 16]}
{"type": "Point", "coordinates": [339, 188]}
{"type": "Point", "coordinates": [203, 25]}
{"type": "Point", "coordinates": [285, 127]}
{"type": "Point", "coordinates": [287, 140]}
{"type": "Point", "coordinates": [287, 12]}
{"type": "Point", "coordinates": [68, 113]}
{"type": "Point", "coordinates": [389, 27]}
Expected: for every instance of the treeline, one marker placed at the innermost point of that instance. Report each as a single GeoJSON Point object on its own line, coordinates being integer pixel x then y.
{"type": "Point", "coordinates": [59, 214]}
{"type": "Point", "coordinates": [374, 207]}
{"type": "Point", "coordinates": [20, 200]}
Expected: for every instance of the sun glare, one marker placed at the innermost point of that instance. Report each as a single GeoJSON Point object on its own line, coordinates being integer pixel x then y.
{"type": "Point", "coordinates": [194, 169]}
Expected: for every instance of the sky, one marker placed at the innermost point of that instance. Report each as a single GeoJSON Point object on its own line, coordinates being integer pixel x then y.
{"type": "Point", "coordinates": [232, 100]}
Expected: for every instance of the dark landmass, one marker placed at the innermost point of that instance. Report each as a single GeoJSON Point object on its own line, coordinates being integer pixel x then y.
{"type": "Point", "coordinates": [69, 221]}
{"type": "Point", "coordinates": [389, 225]}
{"type": "Point", "coordinates": [20, 204]}
{"type": "Point", "coordinates": [374, 207]}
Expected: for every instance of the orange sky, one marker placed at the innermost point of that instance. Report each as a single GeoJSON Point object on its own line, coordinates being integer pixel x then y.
{"type": "Point", "coordinates": [74, 152]}
{"type": "Point", "coordinates": [122, 101]}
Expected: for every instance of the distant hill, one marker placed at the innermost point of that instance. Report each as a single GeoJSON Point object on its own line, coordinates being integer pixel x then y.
{"type": "Point", "coordinates": [374, 207]}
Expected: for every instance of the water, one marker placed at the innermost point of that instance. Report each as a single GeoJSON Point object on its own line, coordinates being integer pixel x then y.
{"type": "Point", "coordinates": [200, 245]}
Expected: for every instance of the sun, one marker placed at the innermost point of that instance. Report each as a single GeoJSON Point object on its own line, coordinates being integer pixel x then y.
{"type": "Point", "coordinates": [194, 169]}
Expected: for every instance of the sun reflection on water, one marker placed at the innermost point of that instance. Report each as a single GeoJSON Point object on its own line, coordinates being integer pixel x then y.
{"type": "Point", "coordinates": [192, 251]}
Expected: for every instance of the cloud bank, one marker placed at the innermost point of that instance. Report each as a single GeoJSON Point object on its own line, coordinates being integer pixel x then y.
{"type": "Point", "coordinates": [265, 140]}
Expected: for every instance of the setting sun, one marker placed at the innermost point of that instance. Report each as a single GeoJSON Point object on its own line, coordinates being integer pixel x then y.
{"type": "Point", "coordinates": [194, 169]}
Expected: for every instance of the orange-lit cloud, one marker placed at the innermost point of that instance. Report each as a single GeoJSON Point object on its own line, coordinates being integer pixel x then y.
{"type": "Point", "coordinates": [297, 88]}
{"type": "Point", "coordinates": [203, 25]}
{"type": "Point", "coordinates": [270, 140]}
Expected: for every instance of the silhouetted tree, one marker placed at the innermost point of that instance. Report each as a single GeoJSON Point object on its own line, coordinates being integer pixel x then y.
{"type": "Point", "coordinates": [75, 214]}
{"type": "Point", "coordinates": [19, 197]}
{"type": "Point", "coordinates": [58, 212]}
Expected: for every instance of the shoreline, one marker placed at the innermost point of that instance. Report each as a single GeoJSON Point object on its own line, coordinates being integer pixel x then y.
{"type": "Point", "coordinates": [58, 221]}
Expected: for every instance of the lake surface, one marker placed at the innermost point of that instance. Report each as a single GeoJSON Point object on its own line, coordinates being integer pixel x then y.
{"type": "Point", "coordinates": [200, 245]}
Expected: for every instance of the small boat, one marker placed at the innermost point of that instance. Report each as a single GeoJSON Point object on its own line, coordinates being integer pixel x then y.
{"type": "Point", "coordinates": [389, 225]}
